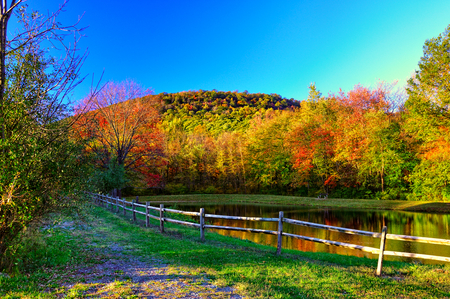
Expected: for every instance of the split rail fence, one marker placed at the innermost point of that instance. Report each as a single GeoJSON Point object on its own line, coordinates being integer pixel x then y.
{"type": "Point", "coordinates": [383, 235]}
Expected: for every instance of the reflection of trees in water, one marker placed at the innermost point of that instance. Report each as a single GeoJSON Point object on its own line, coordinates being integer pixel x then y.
{"type": "Point", "coordinates": [404, 223]}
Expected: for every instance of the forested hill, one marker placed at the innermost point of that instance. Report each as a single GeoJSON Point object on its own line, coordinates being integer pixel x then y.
{"type": "Point", "coordinates": [217, 111]}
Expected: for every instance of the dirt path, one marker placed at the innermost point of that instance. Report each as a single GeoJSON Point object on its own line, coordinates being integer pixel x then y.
{"type": "Point", "coordinates": [117, 273]}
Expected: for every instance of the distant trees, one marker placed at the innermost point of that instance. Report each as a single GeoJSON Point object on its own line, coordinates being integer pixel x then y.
{"type": "Point", "coordinates": [269, 153]}
{"type": "Point", "coordinates": [349, 144]}
{"type": "Point", "coordinates": [313, 144]}
{"type": "Point", "coordinates": [369, 135]}
{"type": "Point", "coordinates": [218, 111]}
{"type": "Point", "coordinates": [361, 143]}
{"type": "Point", "coordinates": [120, 126]}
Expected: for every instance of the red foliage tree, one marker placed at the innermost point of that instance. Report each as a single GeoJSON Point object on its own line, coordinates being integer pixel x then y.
{"type": "Point", "coordinates": [120, 123]}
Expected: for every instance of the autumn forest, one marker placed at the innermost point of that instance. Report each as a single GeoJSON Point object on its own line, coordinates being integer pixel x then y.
{"type": "Point", "coordinates": [379, 142]}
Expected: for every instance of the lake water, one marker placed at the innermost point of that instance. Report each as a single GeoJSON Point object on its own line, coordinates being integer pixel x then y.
{"type": "Point", "coordinates": [403, 223]}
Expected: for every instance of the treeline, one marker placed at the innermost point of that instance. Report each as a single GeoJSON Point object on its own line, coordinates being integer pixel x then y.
{"type": "Point", "coordinates": [347, 145]}
{"type": "Point", "coordinates": [217, 111]}
{"type": "Point", "coordinates": [365, 143]}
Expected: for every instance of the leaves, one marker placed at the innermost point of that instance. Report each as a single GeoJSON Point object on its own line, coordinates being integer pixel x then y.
{"type": "Point", "coordinates": [428, 119]}
{"type": "Point", "coordinates": [121, 126]}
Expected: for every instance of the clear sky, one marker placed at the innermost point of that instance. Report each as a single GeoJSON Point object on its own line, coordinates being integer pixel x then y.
{"type": "Point", "coordinates": [260, 46]}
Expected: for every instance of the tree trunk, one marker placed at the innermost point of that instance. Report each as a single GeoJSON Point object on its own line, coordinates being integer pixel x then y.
{"type": "Point", "coordinates": [3, 25]}
{"type": "Point", "coordinates": [382, 174]}
{"type": "Point", "coordinates": [4, 18]}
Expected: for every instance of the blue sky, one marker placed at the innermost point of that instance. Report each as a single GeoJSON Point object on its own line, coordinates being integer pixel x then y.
{"type": "Point", "coordinates": [260, 46]}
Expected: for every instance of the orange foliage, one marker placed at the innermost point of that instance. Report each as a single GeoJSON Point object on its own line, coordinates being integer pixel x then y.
{"type": "Point", "coordinates": [121, 121]}
{"type": "Point", "coordinates": [337, 133]}
{"type": "Point", "coordinates": [438, 150]}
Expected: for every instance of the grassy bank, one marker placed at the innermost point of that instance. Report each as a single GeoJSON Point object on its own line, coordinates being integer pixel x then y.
{"type": "Point", "coordinates": [254, 270]}
{"type": "Point", "coordinates": [417, 206]}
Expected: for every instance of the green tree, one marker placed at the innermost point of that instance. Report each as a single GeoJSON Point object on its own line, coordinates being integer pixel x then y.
{"type": "Point", "coordinates": [113, 177]}
{"type": "Point", "coordinates": [428, 120]}
{"type": "Point", "coordinates": [314, 94]}
{"type": "Point", "coordinates": [269, 153]}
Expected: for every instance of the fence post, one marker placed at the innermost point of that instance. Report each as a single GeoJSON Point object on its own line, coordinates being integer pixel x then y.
{"type": "Point", "coordinates": [161, 218]}
{"type": "Point", "coordinates": [147, 212]}
{"type": "Point", "coordinates": [133, 207]}
{"type": "Point", "coordinates": [382, 247]}
{"type": "Point", "coordinates": [117, 204]}
{"type": "Point", "coordinates": [124, 210]}
{"type": "Point", "coordinates": [280, 232]}
{"type": "Point", "coordinates": [202, 224]}
{"type": "Point", "coordinates": [137, 199]}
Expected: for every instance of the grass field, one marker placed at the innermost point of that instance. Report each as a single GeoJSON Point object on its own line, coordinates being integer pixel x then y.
{"type": "Point", "coordinates": [417, 206]}
{"type": "Point", "coordinates": [253, 270]}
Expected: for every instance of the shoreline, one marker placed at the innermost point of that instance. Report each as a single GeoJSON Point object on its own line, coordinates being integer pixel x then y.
{"type": "Point", "coordinates": [281, 200]}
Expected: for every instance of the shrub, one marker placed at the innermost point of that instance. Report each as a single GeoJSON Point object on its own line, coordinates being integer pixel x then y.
{"type": "Point", "coordinates": [209, 190]}
{"type": "Point", "coordinates": [176, 188]}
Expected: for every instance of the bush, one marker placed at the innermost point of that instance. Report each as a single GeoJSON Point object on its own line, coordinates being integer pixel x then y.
{"type": "Point", "coordinates": [106, 180]}
{"type": "Point", "coordinates": [209, 190]}
{"type": "Point", "coordinates": [392, 194]}
{"type": "Point", "coordinates": [176, 189]}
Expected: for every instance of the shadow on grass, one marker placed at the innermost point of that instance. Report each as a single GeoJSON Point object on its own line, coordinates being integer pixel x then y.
{"type": "Point", "coordinates": [430, 207]}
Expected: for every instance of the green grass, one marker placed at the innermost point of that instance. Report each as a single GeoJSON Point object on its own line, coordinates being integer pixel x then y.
{"type": "Point", "coordinates": [254, 270]}
{"type": "Point", "coordinates": [418, 206]}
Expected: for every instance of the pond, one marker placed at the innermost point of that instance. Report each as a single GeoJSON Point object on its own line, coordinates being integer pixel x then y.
{"type": "Point", "coordinates": [403, 223]}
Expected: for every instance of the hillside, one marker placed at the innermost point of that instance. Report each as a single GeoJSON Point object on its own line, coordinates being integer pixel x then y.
{"type": "Point", "coordinates": [218, 111]}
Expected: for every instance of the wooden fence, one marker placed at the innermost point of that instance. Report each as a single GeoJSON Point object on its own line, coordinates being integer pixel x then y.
{"type": "Point", "coordinates": [118, 203]}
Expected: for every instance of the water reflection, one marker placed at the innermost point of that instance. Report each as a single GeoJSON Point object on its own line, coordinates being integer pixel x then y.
{"type": "Point", "coordinates": [404, 223]}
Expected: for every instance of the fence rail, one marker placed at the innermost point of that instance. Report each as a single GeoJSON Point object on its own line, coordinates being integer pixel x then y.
{"type": "Point", "coordinates": [383, 235]}
{"type": "Point", "coordinates": [349, 231]}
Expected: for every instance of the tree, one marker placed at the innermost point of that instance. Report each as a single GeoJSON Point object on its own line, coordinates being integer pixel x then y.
{"type": "Point", "coordinates": [349, 139]}
{"type": "Point", "coordinates": [428, 119]}
{"type": "Point", "coordinates": [230, 162]}
{"type": "Point", "coordinates": [269, 153]}
{"type": "Point", "coordinates": [368, 135]}
{"type": "Point", "coordinates": [121, 125]}
{"type": "Point", "coordinates": [36, 158]}
{"type": "Point", "coordinates": [314, 95]}
{"type": "Point", "coordinates": [313, 145]}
